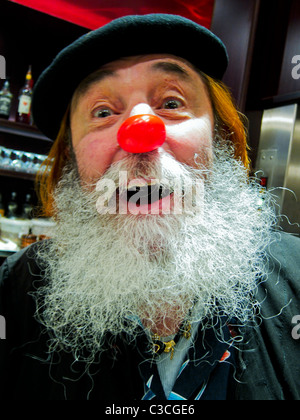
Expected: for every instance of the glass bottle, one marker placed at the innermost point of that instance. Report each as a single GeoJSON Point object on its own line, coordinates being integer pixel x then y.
{"type": "Point", "coordinates": [24, 108]}
{"type": "Point", "coordinates": [27, 208]}
{"type": "Point", "coordinates": [5, 100]}
{"type": "Point", "coordinates": [1, 206]}
{"type": "Point", "coordinates": [29, 239]}
{"type": "Point", "coordinates": [12, 206]}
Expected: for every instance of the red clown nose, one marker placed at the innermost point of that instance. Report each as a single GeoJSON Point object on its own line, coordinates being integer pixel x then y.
{"type": "Point", "coordinates": [142, 133]}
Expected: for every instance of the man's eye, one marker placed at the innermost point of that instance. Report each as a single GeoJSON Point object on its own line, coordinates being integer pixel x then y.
{"type": "Point", "coordinates": [102, 113]}
{"type": "Point", "coordinates": [172, 104]}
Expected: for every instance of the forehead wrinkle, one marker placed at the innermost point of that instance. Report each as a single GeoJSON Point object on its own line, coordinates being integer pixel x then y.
{"type": "Point", "coordinates": [171, 68]}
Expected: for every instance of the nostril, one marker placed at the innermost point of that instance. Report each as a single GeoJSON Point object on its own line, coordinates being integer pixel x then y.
{"type": "Point", "coordinates": [141, 133]}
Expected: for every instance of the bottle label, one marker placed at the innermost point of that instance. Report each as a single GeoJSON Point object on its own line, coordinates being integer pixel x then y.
{"type": "Point", "coordinates": [24, 104]}
{"type": "Point", "coordinates": [5, 105]}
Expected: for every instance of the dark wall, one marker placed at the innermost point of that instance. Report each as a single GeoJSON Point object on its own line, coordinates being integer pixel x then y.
{"type": "Point", "coordinates": [289, 83]}
{"type": "Point", "coordinates": [262, 37]}
{"type": "Point", "coordinates": [234, 21]}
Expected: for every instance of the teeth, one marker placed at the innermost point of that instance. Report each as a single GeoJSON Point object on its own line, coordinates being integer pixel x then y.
{"type": "Point", "coordinates": [149, 191]}
{"type": "Point", "coordinates": [154, 191]}
{"type": "Point", "coordinates": [141, 183]}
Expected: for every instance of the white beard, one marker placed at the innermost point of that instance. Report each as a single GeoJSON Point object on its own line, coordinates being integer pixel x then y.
{"type": "Point", "coordinates": [106, 272]}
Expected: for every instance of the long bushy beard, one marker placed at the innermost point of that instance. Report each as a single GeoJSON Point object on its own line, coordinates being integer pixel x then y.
{"type": "Point", "coordinates": [107, 273]}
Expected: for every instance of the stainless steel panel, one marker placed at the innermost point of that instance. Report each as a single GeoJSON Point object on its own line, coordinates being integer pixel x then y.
{"type": "Point", "coordinates": [279, 160]}
{"type": "Point", "coordinates": [291, 203]}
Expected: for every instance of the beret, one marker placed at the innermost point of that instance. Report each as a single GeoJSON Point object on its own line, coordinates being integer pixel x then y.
{"type": "Point", "coordinates": [123, 37]}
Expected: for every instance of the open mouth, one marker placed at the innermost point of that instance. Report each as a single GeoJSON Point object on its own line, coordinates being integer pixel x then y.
{"type": "Point", "coordinates": [142, 195]}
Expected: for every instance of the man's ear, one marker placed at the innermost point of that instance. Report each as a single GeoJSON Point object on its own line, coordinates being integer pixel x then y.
{"type": "Point", "coordinates": [68, 152]}
{"type": "Point", "coordinates": [69, 149]}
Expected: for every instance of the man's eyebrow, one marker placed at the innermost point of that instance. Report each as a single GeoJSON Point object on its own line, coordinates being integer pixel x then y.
{"type": "Point", "coordinates": [172, 68]}
{"type": "Point", "coordinates": [97, 76]}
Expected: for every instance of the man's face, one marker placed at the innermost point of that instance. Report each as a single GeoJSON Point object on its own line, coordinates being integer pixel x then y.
{"type": "Point", "coordinates": [161, 85]}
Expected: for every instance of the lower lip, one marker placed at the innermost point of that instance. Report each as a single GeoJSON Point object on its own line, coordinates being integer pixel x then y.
{"type": "Point", "coordinates": [162, 206]}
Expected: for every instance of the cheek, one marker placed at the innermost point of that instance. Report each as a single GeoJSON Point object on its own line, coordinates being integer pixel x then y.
{"type": "Point", "coordinates": [93, 158]}
{"type": "Point", "coordinates": [194, 136]}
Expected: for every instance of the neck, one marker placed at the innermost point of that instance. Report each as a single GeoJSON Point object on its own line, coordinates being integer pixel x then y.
{"type": "Point", "coordinates": [166, 325]}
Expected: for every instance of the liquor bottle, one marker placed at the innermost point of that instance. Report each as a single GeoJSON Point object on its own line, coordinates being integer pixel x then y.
{"type": "Point", "coordinates": [1, 206]}
{"type": "Point", "coordinates": [12, 206]}
{"type": "Point", "coordinates": [24, 108]}
{"type": "Point", "coordinates": [5, 100]}
{"type": "Point", "coordinates": [27, 208]}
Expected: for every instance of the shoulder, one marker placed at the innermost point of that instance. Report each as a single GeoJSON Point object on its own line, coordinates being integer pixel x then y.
{"type": "Point", "coordinates": [282, 287]}
{"type": "Point", "coordinates": [284, 251]}
{"type": "Point", "coordinates": [19, 270]}
{"type": "Point", "coordinates": [275, 369]}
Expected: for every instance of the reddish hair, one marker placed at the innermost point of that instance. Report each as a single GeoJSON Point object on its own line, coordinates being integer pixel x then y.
{"type": "Point", "coordinates": [229, 122]}
{"type": "Point", "coordinates": [51, 169]}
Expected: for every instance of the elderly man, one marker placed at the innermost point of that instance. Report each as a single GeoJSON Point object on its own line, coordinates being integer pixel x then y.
{"type": "Point", "coordinates": [165, 278]}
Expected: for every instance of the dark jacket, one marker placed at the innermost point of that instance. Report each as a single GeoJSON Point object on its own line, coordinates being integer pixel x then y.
{"type": "Point", "coordinates": [267, 365]}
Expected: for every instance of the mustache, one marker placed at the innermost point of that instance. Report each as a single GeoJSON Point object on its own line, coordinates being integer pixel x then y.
{"type": "Point", "coordinates": [138, 182]}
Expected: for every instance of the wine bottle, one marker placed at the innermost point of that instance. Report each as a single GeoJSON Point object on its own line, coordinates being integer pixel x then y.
{"type": "Point", "coordinates": [12, 206]}
{"type": "Point", "coordinates": [5, 100]}
{"type": "Point", "coordinates": [24, 108]}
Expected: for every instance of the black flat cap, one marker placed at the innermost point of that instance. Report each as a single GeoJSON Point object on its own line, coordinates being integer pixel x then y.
{"type": "Point", "coordinates": [123, 37]}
